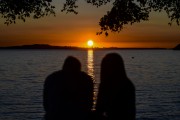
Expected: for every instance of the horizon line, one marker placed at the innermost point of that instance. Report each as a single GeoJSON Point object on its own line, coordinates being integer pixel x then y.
{"type": "Point", "coordinates": [48, 46]}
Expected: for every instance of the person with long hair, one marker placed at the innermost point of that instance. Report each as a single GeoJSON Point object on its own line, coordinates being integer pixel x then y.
{"type": "Point", "coordinates": [116, 94]}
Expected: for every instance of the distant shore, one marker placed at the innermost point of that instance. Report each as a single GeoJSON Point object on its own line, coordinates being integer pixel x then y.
{"type": "Point", "coordinates": [46, 46]}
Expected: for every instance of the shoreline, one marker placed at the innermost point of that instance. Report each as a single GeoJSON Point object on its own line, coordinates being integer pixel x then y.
{"type": "Point", "coordinates": [49, 47]}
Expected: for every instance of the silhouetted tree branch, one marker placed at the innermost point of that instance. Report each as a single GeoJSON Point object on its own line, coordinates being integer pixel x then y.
{"type": "Point", "coordinates": [70, 6]}
{"type": "Point", "coordinates": [98, 3]}
{"type": "Point", "coordinates": [172, 8]}
{"type": "Point", "coordinates": [126, 12]}
{"type": "Point", "coordinates": [123, 12]}
{"type": "Point", "coordinates": [12, 10]}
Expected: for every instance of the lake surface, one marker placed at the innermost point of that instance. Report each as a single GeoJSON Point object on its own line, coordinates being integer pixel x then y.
{"type": "Point", "coordinates": [155, 74]}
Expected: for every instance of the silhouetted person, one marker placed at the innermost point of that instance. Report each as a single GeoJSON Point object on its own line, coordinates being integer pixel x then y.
{"type": "Point", "coordinates": [68, 93]}
{"type": "Point", "coordinates": [116, 96]}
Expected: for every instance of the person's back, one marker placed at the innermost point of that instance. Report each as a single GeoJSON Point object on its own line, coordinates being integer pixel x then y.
{"type": "Point", "coordinates": [68, 93]}
{"type": "Point", "coordinates": [116, 97]}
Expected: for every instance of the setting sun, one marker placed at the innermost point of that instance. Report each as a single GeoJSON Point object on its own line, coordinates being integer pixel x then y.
{"type": "Point", "coordinates": [90, 43]}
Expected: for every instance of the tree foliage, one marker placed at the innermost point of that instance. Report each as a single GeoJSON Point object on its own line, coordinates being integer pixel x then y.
{"type": "Point", "coordinates": [123, 12]}
{"type": "Point", "coordinates": [12, 10]}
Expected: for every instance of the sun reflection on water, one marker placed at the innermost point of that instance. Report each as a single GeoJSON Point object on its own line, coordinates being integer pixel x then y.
{"type": "Point", "coordinates": [90, 64]}
{"type": "Point", "coordinates": [90, 71]}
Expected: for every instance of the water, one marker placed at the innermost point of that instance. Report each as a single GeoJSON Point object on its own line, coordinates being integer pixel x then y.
{"type": "Point", "coordinates": [155, 73]}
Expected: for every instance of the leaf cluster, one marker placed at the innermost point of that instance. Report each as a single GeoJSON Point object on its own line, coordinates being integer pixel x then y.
{"type": "Point", "coordinates": [123, 12]}
{"type": "Point", "coordinates": [12, 10]}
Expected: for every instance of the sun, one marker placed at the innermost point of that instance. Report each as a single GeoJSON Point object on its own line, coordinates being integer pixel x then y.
{"type": "Point", "coordinates": [90, 43]}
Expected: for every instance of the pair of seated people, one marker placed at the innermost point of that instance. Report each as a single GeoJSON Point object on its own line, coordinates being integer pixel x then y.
{"type": "Point", "coordinates": [68, 93]}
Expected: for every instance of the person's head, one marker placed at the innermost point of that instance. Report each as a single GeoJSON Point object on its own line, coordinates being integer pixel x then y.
{"type": "Point", "coordinates": [112, 66]}
{"type": "Point", "coordinates": [72, 64]}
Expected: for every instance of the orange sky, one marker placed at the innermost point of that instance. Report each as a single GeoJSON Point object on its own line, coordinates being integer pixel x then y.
{"type": "Point", "coordinates": [75, 30]}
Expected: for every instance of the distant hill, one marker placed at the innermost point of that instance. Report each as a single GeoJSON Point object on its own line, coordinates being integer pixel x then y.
{"type": "Point", "coordinates": [39, 46]}
{"type": "Point", "coordinates": [177, 47]}
{"type": "Point", "coordinates": [46, 46]}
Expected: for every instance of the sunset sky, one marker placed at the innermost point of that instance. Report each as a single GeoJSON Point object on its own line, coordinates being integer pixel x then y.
{"type": "Point", "coordinates": [76, 30]}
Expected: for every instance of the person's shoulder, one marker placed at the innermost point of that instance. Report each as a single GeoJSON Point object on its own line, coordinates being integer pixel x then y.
{"type": "Point", "coordinates": [131, 84]}
{"type": "Point", "coordinates": [53, 75]}
{"type": "Point", "coordinates": [85, 75]}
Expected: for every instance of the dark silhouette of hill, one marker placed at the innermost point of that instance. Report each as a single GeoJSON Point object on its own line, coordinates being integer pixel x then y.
{"type": "Point", "coordinates": [39, 46]}
{"type": "Point", "coordinates": [177, 47]}
{"type": "Point", "coordinates": [46, 46]}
